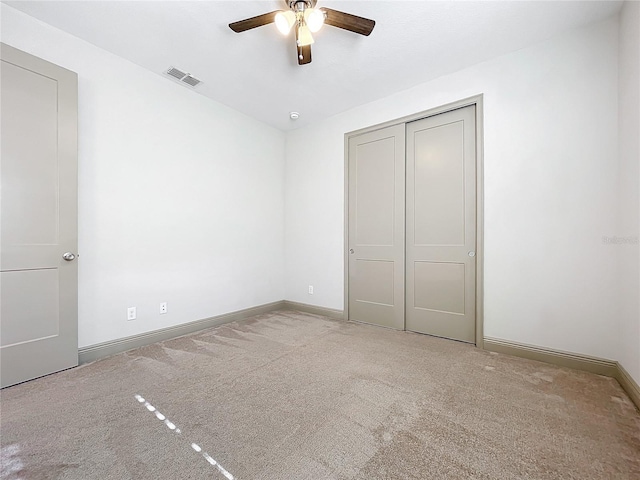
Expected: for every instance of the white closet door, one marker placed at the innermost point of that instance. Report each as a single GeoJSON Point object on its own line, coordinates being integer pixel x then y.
{"type": "Point", "coordinates": [376, 227]}
{"type": "Point", "coordinates": [441, 225]}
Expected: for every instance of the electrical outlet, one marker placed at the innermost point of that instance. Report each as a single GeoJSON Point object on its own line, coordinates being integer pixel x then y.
{"type": "Point", "coordinates": [310, 289]}
{"type": "Point", "coordinates": [131, 313]}
{"type": "Point", "coordinates": [163, 308]}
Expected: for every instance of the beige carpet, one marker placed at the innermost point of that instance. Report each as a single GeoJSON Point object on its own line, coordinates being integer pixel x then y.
{"type": "Point", "coordinates": [295, 396]}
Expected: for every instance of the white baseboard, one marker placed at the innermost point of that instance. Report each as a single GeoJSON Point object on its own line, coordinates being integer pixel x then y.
{"type": "Point", "coordinates": [600, 366]}
{"type": "Point", "coordinates": [105, 349]}
{"type": "Point", "coordinates": [577, 361]}
{"type": "Point", "coordinates": [305, 307]}
{"type": "Point", "coordinates": [101, 350]}
{"type": "Point", "coordinates": [629, 385]}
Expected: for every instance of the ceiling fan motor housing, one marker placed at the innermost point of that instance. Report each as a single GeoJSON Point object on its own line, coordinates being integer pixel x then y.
{"type": "Point", "coordinates": [293, 4]}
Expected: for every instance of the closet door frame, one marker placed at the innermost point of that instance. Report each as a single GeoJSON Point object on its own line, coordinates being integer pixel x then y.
{"type": "Point", "coordinates": [476, 100]}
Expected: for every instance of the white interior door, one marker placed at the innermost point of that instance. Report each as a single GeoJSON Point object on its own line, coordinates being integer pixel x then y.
{"type": "Point", "coordinates": [376, 227]}
{"type": "Point", "coordinates": [441, 225]}
{"type": "Point", "coordinates": [38, 226]}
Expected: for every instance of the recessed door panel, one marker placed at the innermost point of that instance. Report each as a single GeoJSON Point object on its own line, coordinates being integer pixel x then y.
{"type": "Point", "coordinates": [30, 168]}
{"type": "Point", "coordinates": [41, 316]}
{"type": "Point", "coordinates": [374, 281]}
{"type": "Point", "coordinates": [441, 225]}
{"type": "Point", "coordinates": [439, 179]}
{"type": "Point", "coordinates": [375, 192]}
{"type": "Point", "coordinates": [439, 286]}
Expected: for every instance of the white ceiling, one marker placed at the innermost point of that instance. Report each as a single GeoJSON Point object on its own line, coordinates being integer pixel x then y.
{"type": "Point", "coordinates": [256, 72]}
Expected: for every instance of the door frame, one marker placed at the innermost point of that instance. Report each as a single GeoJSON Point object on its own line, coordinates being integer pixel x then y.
{"type": "Point", "coordinates": [476, 100]}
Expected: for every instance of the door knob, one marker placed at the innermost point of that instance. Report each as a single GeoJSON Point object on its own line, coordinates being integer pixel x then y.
{"type": "Point", "coordinates": [472, 254]}
{"type": "Point", "coordinates": [351, 250]}
{"type": "Point", "coordinates": [68, 256]}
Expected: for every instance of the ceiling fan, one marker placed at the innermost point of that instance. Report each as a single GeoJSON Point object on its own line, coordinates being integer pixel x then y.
{"type": "Point", "coordinates": [306, 19]}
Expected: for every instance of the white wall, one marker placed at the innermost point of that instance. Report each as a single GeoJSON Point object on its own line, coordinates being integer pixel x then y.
{"type": "Point", "coordinates": [629, 208]}
{"type": "Point", "coordinates": [551, 150]}
{"type": "Point", "coordinates": [180, 198]}
{"type": "Point", "coordinates": [174, 199]}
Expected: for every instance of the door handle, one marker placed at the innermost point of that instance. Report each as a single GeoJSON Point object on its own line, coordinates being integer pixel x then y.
{"type": "Point", "coordinates": [472, 254]}
{"type": "Point", "coordinates": [351, 251]}
{"type": "Point", "coordinates": [68, 256]}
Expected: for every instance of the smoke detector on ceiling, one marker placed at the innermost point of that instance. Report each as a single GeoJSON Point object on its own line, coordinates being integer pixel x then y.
{"type": "Point", "coordinates": [183, 76]}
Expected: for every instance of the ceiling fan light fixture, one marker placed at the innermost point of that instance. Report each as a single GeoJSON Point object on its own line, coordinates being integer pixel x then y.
{"type": "Point", "coordinates": [314, 18]}
{"type": "Point", "coordinates": [304, 36]}
{"type": "Point", "coordinates": [305, 18]}
{"type": "Point", "coordinates": [284, 21]}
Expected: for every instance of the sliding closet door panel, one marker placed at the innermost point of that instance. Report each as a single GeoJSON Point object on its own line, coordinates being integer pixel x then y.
{"type": "Point", "coordinates": [441, 225]}
{"type": "Point", "coordinates": [376, 227]}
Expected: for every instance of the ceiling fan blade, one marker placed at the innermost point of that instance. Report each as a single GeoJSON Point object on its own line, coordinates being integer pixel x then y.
{"type": "Point", "coordinates": [346, 21]}
{"type": "Point", "coordinates": [253, 22]}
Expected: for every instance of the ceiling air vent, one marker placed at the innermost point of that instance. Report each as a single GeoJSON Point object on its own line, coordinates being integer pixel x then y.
{"type": "Point", "coordinates": [183, 76]}
{"type": "Point", "coordinates": [189, 80]}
